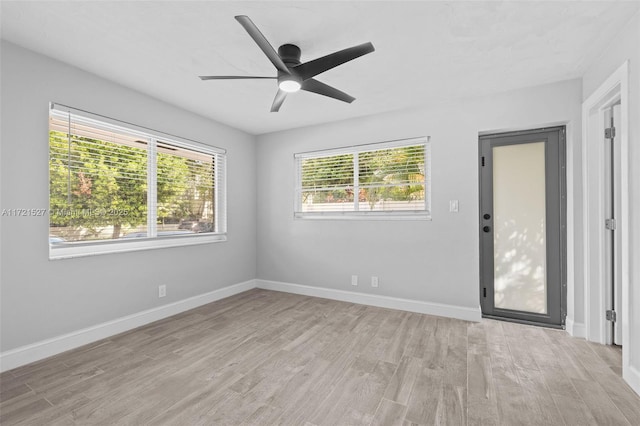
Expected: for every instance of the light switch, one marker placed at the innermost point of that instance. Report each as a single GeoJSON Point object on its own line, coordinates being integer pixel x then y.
{"type": "Point", "coordinates": [453, 206]}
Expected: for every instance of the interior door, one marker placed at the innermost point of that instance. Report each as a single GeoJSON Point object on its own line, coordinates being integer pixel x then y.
{"type": "Point", "coordinates": [523, 226]}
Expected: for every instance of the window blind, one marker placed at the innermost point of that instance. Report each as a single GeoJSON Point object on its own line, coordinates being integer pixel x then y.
{"type": "Point", "coordinates": [116, 181]}
{"type": "Point", "coordinates": [385, 179]}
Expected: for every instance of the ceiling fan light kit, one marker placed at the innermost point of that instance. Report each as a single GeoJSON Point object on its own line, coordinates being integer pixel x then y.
{"type": "Point", "coordinates": [294, 75]}
{"type": "Point", "coordinates": [289, 86]}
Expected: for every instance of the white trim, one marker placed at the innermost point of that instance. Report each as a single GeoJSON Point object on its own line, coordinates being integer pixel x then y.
{"type": "Point", "coordinates": [30, 353]}
{"type": "Point", "coordinates": [571, 249]}
{"type": "Point", "coordinates": [429, 308]}
{"type": "Point", "coordinates": [615, 87]}
{"type": "Point", "coordinates": [364, 215]}
{"type": "Point", "coordinates": [575, 329]}
{"type": "Point", "coordinates": [152, 189]}
{"type": "Point", "coordinates": [632, 377]}
{"type": "Point", "coordinates": [70, 251]}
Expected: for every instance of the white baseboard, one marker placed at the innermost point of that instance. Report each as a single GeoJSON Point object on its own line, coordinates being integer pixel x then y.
{"type": "Point", "coordinates": [46, 348]}
{"type": "Point", "coordinates": [576, 329]}
{"type": "Point", "coordinates": [429, 308]}
{"type": "Point", "coordinates": [632, 377]}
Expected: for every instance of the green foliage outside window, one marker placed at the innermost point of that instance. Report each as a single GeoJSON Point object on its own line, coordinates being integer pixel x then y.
{"type": "Point", "coordinates": [328, 179]}
{"type": "Point", "coordinates": [394, 174]}
{"type": "Point", "coordinates": [97, 184]}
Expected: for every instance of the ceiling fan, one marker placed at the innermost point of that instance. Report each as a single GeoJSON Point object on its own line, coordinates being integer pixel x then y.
{"type": "Point", "coordinates": [293, 75]}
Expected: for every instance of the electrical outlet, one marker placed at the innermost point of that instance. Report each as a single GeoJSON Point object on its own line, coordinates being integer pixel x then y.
{"type": "Point", "coordinates": [453, 206]}
{"type": "Point", "coordinates": [374, 281]}
{"type": "Point", "coordinates": [354, 280]}
{"type": "Point", "coordinates": [162, 290]}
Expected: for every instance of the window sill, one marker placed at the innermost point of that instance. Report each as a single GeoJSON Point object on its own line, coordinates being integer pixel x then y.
{"type": "Point", "coordinates": [71, 250]}
{"type": "Point", "coordinates": [391, 216]}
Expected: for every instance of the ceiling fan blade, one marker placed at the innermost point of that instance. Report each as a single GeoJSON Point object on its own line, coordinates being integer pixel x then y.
{"type": "Point", "coordinates": [279, 99]}
{"type": "Point", "coordinates": [262, 42]}
{"type": "Point", "coordinates": [315, 86]}
{"type": "Point", "coordinates": [229, 77]}
{"type": "Point", "coordinates": [320, 65]}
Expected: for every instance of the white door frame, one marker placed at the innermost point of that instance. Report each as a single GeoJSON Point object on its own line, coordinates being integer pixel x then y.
{"type": "Point", "coordinates": [614, 89]}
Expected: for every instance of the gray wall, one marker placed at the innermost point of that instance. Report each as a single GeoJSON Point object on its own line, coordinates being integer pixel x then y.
{"type": "Point", "coordinates": [432, 261]}
{"type": "Point", "coordinates": [42, 299]}
{"type": "Point", "coordinates": [626, 46]}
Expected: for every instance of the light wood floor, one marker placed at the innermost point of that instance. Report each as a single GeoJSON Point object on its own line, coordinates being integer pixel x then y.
{"type": "Point", "coordinates": [265, 358]}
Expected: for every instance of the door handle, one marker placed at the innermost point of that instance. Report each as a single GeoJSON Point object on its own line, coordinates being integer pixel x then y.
{"type": "Point", "coordinates": [486, 216]}
{"type": "Point", "coordinates": [486, 228]}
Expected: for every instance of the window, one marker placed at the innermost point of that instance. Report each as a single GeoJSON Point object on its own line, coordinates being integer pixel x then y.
{"type": "Point", "coordinates": [118, 187]}
{"type": "Point", "coordinates": [384, 180]}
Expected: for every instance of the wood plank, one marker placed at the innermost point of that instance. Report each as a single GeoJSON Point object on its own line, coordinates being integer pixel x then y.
{"type": "Point", "coordinates": [542, 405]}
{"type": "Point", "coordinates": [12, 387]}
{"type": "Point", "coordinates": [481, 393]}
{"type": "Point", "coordinates": [401, 383]}
{"type": "Point", "coordinates": [574, 411]}
{"type": "Point", "coordinates": [426, 397]}
{"type": "Point", "coordinates": [20, 408]}
{"type": "Point", "coordinates": [623, 397]}
{"type": "Point", "coordinates": [454, 405]}
{"type": "Point", "coordinates": [513, 406]}
{"type": "Point", "coordinates": [600, 405]}
{"type": "Point", "coordinates": [420, 336]}
{"type": "Point", "coordinates": [503, 367]}
{"type": "Point", "coordinates": [389, 413]}
{"type": "Point", "coordinates": [558, 383]}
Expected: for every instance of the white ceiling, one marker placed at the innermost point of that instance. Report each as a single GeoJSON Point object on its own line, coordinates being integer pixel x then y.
{"type": "Point", "coordinates": [426, 52]}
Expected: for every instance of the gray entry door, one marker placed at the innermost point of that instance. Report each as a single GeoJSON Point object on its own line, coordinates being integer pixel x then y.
{"type": "Point", "coordinates": [523, 226]}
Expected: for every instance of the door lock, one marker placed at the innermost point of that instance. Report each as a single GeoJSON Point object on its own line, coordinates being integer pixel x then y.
{"type": "Point", "coordinates": [486, 216]}
{"type": "Point", "coordinates": [486, 229]}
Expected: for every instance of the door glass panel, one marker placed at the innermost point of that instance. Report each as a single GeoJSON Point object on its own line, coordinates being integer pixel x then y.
{"type": "Point", "coordinates": [520, 281]}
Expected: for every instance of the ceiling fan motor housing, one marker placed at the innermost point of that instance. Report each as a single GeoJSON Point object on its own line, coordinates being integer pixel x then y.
{"type": "Point", "coordinates": [290, 54]}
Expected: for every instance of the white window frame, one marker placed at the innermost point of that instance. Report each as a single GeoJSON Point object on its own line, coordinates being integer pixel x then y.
{"type": "Point", "coordinates": [86, 248]}
{"type": "Point", "coordinates": [357, 214]}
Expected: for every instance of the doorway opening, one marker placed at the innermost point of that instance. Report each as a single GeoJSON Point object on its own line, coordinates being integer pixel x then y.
{"type": "Point", "coordinates": [523, 226]}
{"type": "Point", "coordinates": [606, 214]}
